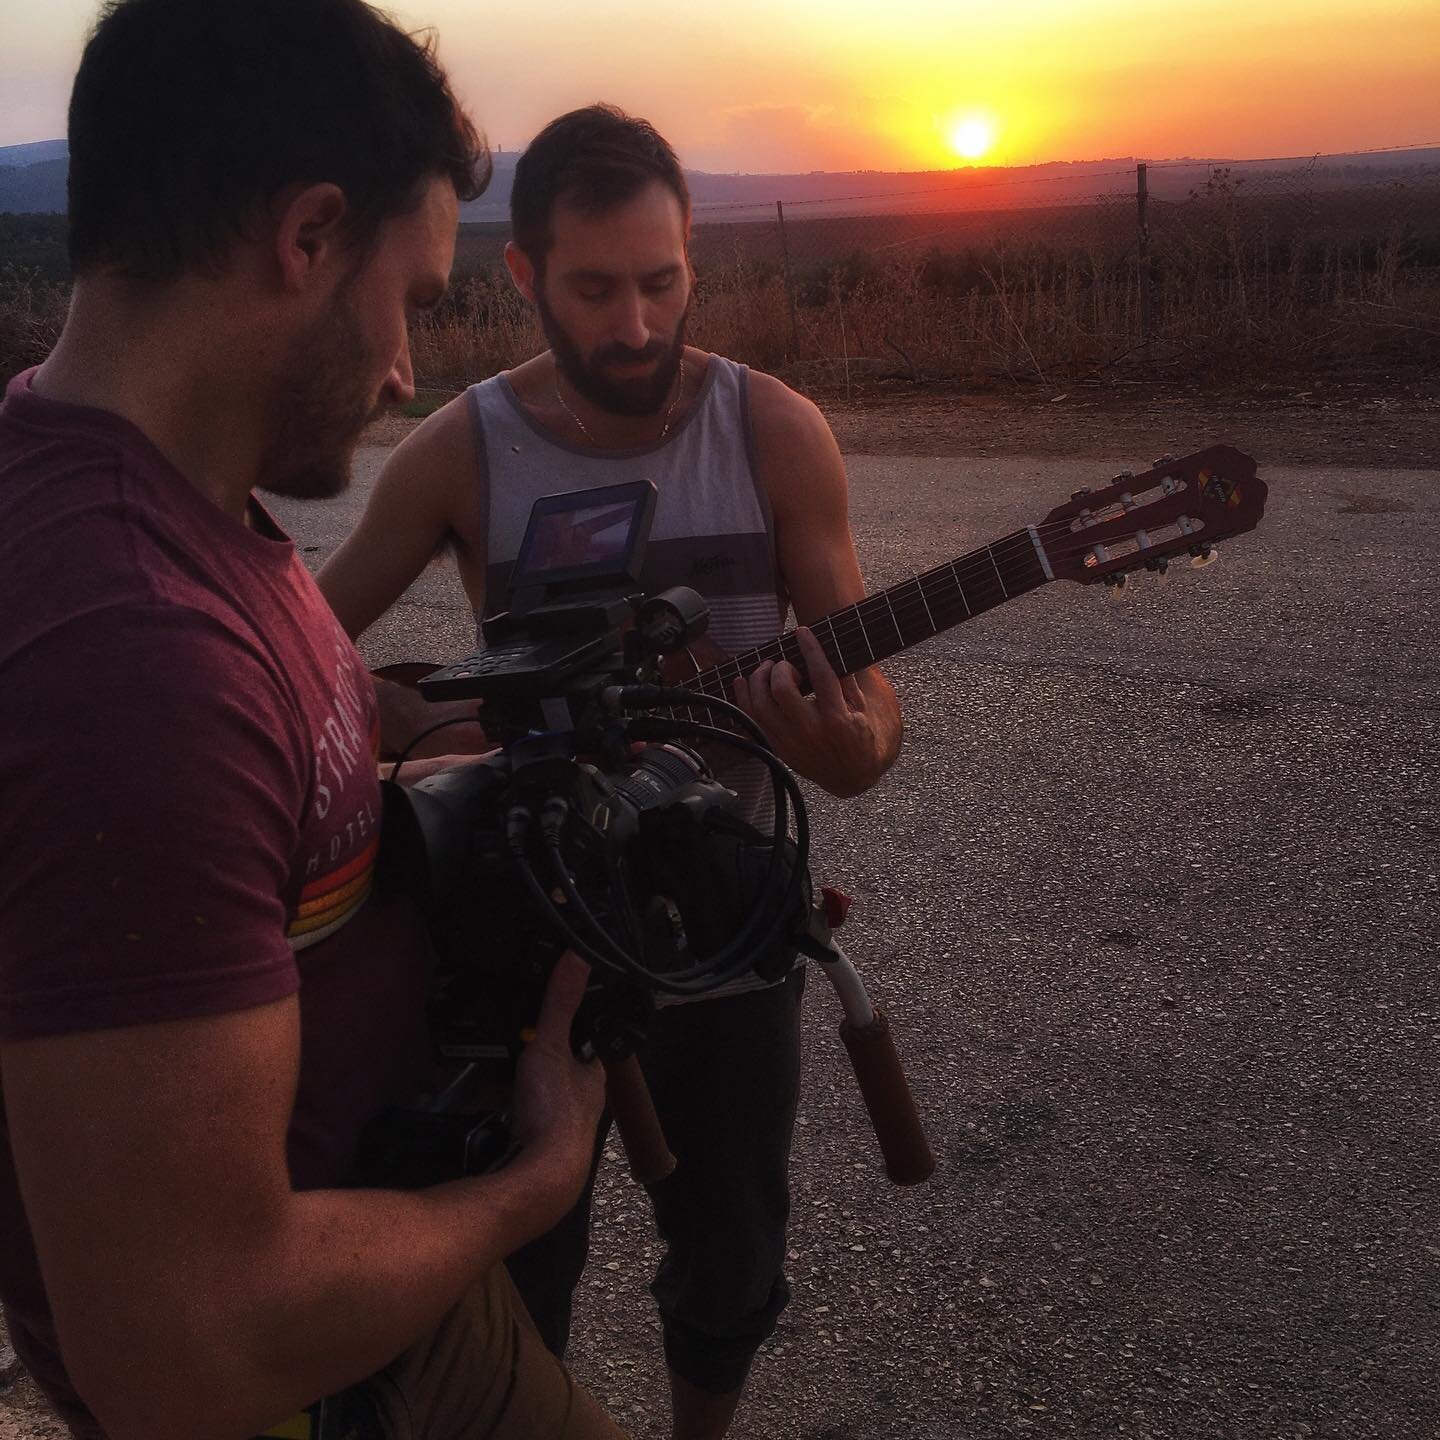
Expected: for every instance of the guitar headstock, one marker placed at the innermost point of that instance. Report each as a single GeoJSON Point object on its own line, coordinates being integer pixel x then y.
{"type": "Point", "coordinates": [1136, 522]}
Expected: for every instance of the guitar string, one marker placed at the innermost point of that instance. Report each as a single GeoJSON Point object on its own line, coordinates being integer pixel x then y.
{"type": "Point", "coordinates": [903, 603]}
{"type": "Point", "coordinates": [900, 594]}
{"type": "Point", "coordinates": [971, 576]}
{"type": "Point", "coordinates": [836, 640]}
{"type": "Point", "coordinates": [714, 680]}
{"type": "Point", "coordinates": [977, 563]}
{"type": "Point", "coordinates": [1047, 532]}
{"type": "Point", "coordinates": [898, 599]}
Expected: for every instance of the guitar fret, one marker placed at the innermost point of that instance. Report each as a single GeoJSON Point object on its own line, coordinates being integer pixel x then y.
{"type": "Point", "coordinates": [894, 619]}
{"type": "Point", "coordinates": [865, 634]}
{"type": "Point", "coordinates": [960, 589]}
{"type": "Point", "coordinates": [891, 620]}
{"type": "Point", "coordinates": [990, 551]}
{"type": "Point", "coordinates": [920, 589]}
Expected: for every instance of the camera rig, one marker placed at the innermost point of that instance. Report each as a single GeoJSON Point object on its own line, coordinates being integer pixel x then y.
{"type": "Point", "coordinates": [600, 824]}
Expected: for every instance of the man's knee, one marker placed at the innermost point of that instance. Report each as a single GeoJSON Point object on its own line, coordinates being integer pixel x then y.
{"type": "Point", "coordinates": [714, 1351]}
{"type": "Point", "coordinates": [484, 1372]}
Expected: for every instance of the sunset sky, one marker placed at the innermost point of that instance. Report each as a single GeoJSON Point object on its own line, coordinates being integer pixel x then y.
{"type": "Point", "coordinates": [786, 85]}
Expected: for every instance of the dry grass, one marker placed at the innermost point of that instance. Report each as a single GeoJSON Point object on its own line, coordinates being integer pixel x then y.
{"type": "Point", "coordinates": [1240, 284]}
{"type": "Point", "coordinates": [32, 314]}
{"type": "Point", "coordinates": [482, 326]}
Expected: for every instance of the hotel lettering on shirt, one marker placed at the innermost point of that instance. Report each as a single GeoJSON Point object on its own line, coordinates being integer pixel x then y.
{"type": "Point", "coordinates": [345, 818]}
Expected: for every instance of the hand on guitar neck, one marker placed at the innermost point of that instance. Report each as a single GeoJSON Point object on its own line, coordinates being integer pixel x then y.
{"type": "Point", "coordinates": [815, 691]}
{"type": "Point", "coordinates": [841, 731]}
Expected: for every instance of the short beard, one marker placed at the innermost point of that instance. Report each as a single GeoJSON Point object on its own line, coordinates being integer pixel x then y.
{"type": "Point", "coordinates": [320, 406]}
{"type": "Point", "coordinates": [634, 398]}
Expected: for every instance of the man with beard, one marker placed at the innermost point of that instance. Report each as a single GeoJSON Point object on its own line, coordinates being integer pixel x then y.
{"type": "Point", "coordinates": [202, 997]}
{"type": "Point", "coordinates": [752, 513]}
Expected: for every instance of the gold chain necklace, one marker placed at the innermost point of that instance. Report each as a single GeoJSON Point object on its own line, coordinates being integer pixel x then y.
{"type": "Point", "coordinates": [669, 412]}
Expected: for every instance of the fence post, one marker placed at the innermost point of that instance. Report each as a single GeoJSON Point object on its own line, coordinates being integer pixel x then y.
{"type": "Point", "coordinates": [1142, 201]}
{"type": "Point", "coordinates": [789, 286]}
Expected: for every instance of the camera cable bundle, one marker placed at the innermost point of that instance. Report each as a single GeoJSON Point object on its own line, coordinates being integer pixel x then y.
{"type": "Point", "coordinates": [599, 826]}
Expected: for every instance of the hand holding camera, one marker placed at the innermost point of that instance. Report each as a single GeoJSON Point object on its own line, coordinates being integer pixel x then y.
{"type": "Point", "coordinates": [558, 1096]}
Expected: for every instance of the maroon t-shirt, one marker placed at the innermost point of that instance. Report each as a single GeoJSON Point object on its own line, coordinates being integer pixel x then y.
{"type": "Point", "coordinates": [190, 812]}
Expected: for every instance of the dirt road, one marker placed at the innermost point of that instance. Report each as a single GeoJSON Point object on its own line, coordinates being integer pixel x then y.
{"type": "Point", "coordinates": [1152, 899]}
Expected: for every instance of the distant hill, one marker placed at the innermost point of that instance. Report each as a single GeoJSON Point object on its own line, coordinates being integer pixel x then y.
{"type": "Point", "coordinates": [33, 153]}
{"type": "Point", "coordinates": [33, 188]}
{"type": "Point", "coordinates": [738, 197]}
{"type": "Point", "coordinates": [32, 180]}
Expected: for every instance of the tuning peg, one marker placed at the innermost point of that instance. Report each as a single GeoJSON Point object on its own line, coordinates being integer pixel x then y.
{"type": "Point", "coordinates": [1162, 460]}
{"type": "Point", "coordinates": [1204, 555]}
{"type": "Point", "coordinates": [1116, 584]}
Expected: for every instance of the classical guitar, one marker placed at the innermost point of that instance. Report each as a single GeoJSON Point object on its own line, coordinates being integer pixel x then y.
{"type": "Point", "coordinates": [1138, 522]}
{"type": "Point", "coordinates": [1100, 536]}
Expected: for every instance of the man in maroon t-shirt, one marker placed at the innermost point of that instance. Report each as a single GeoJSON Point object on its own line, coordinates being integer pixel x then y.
{"type": "Point", "coordinates": [202, 999]}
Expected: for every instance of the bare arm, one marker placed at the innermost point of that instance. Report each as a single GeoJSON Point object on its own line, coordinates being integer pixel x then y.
{"type": "Point", "coordinates": [427, 494]}
{"type": "Point", "coordinates": [152, 1166]}
{"type": "Point", "coordinates": [848, 734]}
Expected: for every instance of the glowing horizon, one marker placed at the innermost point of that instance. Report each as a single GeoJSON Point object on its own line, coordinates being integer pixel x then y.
{"type": "Point", "coordinates": [915, 85]}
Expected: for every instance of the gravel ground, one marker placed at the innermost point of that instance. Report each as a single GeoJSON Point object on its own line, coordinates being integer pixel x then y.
{"type": "Point", "coordinates": [1151, 898]}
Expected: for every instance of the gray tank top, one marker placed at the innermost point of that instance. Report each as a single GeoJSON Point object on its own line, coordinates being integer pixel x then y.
{"type": "Point", "coordinates": [713, 530]}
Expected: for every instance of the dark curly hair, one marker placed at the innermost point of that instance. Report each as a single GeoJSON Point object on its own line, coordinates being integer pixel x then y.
{"type": "Point", "coordinates": [595, 159]}
{"type": "Point", "coordinates": [187, 115]}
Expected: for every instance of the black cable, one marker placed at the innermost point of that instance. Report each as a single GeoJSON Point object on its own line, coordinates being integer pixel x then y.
{"type": "Point", "coordinates": [425, 735]}
{"type": "Point", "coordinates": [553, 818]}
{"type": "Point", "coordinates": [651, 696]}
{"type": "Point", "coordinates": [547, 908]}
{"type": "Point", "coordinates": [770, 915]}
{"type": "Point", "coordinates": [773, 907]}
{"type": "Point", "coordinates": [780, 894]}
{"type": "Point", "coordinates": [577, 903]}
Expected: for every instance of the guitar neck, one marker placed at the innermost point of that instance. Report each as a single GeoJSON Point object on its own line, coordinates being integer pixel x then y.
{"type": "Point", "coordinates": [889, 621]}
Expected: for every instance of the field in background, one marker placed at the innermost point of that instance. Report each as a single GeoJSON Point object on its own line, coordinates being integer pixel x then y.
{"type": "Point", "coordinates": [1257, 272]}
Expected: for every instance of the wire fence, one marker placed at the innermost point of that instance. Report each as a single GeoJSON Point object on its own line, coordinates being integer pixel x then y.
{"type": "Point", "coordinates": [1231, 268]}
{"type": "Point", "coordinates": [1187, 269]}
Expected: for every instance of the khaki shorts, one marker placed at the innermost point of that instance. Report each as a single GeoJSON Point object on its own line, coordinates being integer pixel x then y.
{"type": "Point", "coordinates": [482, 1374]}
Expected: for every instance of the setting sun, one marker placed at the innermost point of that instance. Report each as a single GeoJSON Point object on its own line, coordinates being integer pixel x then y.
{"type": "Point", "coordinates": [972, 136]}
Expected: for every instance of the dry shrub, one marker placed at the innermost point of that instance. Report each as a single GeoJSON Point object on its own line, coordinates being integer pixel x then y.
{"type": "Point", "coordinates": [481, 327]}
{"type": "Point", "coordinates": [1241, 281]}
{"type": "Point", "coordinates": [1256, 276]}
{"type": "Point", "coordinates": [1252, 277]}
{"type": "Point", "coordinates": [748, 319]}
{"type": "Point", "coordinates": [32, 314]}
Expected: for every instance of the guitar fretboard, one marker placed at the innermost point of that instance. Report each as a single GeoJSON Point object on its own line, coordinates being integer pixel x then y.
{"type": "Point", "coordinates": [892, 620]}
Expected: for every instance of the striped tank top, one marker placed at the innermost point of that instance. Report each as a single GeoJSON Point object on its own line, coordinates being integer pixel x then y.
{"type": "Point", "coordinates": [712, 531]}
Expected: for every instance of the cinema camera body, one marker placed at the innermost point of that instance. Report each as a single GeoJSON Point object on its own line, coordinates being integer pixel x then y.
{"type": "Point", "coordinates": [598, 825]}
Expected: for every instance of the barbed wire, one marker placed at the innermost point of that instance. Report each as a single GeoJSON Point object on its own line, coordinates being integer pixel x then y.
{"type": "Point", "coordinates": [928, 190]}
{"type": "Point", "coordinates": [1291, 159]}
{"type": "Point", "coordinates": [1077, 179]}
{"type": "Point", "coordinates": [1277, 260]}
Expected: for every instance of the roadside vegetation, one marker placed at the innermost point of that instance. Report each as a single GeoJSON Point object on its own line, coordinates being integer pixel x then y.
{"type": "Point", "coordinates": [1228, 287]}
